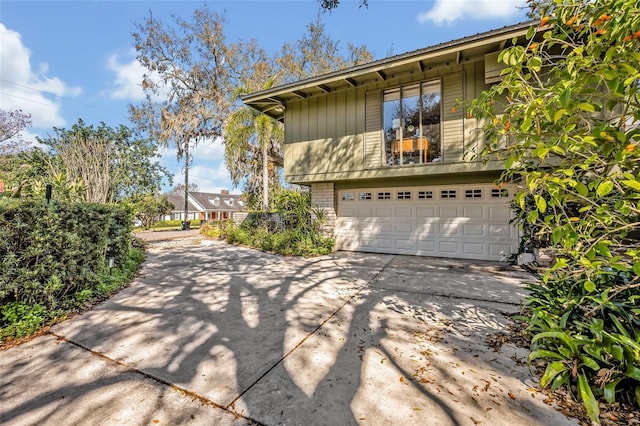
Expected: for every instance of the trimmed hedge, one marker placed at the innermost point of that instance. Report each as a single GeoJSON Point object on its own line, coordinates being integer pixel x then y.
{"type": "Point", "coordinates": [51, 254]}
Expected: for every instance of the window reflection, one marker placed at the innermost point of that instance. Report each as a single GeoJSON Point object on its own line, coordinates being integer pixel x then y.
{"type": "Point", "coordinates": [412, 124]}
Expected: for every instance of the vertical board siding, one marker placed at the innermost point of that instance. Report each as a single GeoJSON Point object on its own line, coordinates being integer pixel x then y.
{"type": "Point", "coordinates": [373, 130]}
{"type": "Point", "coordinates": [471, 139]}
{"type": "Point", "coordinates": [312, 119]}
{"type": "Point", "coordinates": [453, 123]}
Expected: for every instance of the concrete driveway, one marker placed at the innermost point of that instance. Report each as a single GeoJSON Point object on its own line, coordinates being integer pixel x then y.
{"type": "Point", "coordinates": [217, 334]}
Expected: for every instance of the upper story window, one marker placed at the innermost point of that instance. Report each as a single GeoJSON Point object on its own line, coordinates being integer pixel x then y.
{"type": "Point", "coordinates": [411, 117]}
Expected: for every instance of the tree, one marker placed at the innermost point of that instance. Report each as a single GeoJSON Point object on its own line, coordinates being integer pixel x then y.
{"type": "Point", "coordinates": [109, 164]}
{"type": "Point", "coordinates": [179, 189]}
{"type": "Point", "coordinates": [11, 124]}
{"type": "Point", "coordinates": [253, 141]}
{"type": "Point", "coordinates": [316, 53]}
{"type": "Point", "coordinates": [189, 73]}
{"type": "Point", "coordinates": [148, 207]}
{"type": "Point", "coordinates": [565, 119]}
{"type": "Point", "coordinates": [329, 5]}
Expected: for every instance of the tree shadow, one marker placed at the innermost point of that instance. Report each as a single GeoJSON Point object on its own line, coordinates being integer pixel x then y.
{"type": "Point", "coordinates": [297, 341]}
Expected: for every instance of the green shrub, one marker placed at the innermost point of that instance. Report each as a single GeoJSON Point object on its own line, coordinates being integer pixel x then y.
{"type": "Point", "coordinates": [588, 338]}
{"type": "Point", "coordinates": [55, 259]}
{"type": "Point", "coordinates": [211, 230]}
{"type": "Point", "coordinates": [175, 223]}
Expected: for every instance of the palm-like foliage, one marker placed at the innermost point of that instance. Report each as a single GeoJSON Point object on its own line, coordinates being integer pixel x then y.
{"type": "Point", "coordinates": [253, 151]}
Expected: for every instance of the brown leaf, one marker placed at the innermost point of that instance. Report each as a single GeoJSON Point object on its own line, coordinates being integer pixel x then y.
{"type": "Point", "coordinates": [511, 395]}
{"type": "Point", "coordinates": [156, 421]}
{"type": "Point", "coordinates": [475, 422]}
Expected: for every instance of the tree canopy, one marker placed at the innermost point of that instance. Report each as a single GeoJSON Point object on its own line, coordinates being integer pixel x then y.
{"type": "Point", "coordinates": [194, 79]}
{"type": "Point", "coordinates": [103, 163]}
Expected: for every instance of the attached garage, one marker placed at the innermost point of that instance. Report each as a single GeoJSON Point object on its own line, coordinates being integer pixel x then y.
{"type": "Point", "coordinates": [456, 221]}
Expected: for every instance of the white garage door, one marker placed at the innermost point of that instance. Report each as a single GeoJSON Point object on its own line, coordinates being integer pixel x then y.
{"type": "Point", "coordinates": [461, 221]}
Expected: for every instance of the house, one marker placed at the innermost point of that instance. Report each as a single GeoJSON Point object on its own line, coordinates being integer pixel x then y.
{"type": "Point", "coordinates": [388, 154]}
{"type": "Point", "coordinates": [206, 206]}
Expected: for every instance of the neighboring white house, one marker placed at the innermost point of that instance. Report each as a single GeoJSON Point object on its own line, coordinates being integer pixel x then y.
{"type": "Point", "coordinates": [205, 206]}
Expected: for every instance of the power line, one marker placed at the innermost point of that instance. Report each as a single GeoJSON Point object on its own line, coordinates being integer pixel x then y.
{"type": "Point", "coordinates": [57, 106]}
{"type": "Point", "coordinates": [53, 94]}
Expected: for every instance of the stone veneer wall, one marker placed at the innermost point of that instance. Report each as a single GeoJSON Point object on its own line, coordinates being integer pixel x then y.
{"type": "Point", "coordinates": [323, 195]}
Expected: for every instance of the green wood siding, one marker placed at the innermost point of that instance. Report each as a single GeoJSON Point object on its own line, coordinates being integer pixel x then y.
{"type": "Point", "coordinates": [373, 130]}
{"type": "Point", "coordinates": [453, 121]}
{"type": "Point", "coordinates": [338, 135]}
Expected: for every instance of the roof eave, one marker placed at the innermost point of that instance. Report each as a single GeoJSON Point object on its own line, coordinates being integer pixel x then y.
{"type": "Point", "coordinates": [271, 102]}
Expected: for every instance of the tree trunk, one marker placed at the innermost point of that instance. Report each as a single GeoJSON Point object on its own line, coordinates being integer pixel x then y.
{"type": "Point", "coordinates": [186, 181]}
{"type": "Point", "coordinates": [265, 177]}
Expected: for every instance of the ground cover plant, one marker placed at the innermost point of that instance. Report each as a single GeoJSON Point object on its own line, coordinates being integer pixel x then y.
{"type": "Point", "coordinates": [294, 229]}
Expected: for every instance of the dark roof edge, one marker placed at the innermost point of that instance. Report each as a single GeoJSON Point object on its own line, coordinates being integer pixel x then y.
{"type": "Point", "coordinates": [431, 49]}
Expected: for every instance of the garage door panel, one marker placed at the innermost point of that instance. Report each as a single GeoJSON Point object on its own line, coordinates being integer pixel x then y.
{"type": "Point", "coordinates": [383, 212]}
{"type": "Point", "coordinates": [472, 228]}
{"type": "Point", "coordinates": [474, 212]}
{"type": "Point", "coordinates": [348, 211]}
{"type": "Point", "coordinates": [450, 228]}
{"type": "Point", "coordinates": [365, 211]}
{"type": "Point", "coordinates": [502, 250]}
{"type": "Point", "coordinates": [404, 227]}
{"type": "Point", "coordinates": [427, 245]}
{"type": "Point", "coordinates": [469, 248]}
{"type": "Point", "coordinates": [425, 212]}
{"type": "Point", "coordinates": [475, 230]}
{"type": "Point", "coordinates": [499, 212]}
{"type": "Point", "coordinates": [406, 245]}
{"type": "Point", "coordinates": [405, 212]}
{"type": "Point", "coordinates": [449, 211]}
{"type": "Point", "coordinates": [500, 231]}
{"type": "Point", "coordinates": [448, 247]}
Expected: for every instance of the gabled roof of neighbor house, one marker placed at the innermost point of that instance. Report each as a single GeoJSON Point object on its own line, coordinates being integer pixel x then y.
{"type": "Point", "coordinates": [227, 202]}
{"type": "Point", "coordinates": [466, 49]}
{"type": "Point", "coordinates": [178, 202]}
{"type": "Point", "coordinates": [205, 201]}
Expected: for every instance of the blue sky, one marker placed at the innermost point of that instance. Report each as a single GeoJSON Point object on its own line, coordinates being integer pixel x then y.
{"type": "Point", "coordinates": [64, 60]}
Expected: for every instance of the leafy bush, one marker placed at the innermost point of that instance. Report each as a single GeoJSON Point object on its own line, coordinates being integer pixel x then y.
{"type": "Point", "coordinates": [175, 223]}
{"type": "Point", "coordinates": [293, 230]}
{"type": "Point", "coordinates": [565, 120]}
{"type": "Point", "coordinates": [55, 259]}
{"type": "Point", "coordinates": [216, 229]}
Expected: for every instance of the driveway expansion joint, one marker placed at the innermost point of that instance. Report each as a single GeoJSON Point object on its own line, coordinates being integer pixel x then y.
{"type": "Point", "coordinates": [194, 395]}
{"type": "Point", "coordinates": [314, 331]}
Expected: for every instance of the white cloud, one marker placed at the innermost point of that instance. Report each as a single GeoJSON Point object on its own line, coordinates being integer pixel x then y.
{"type": "Point", "coordinates": [208, 170]}
{"type": "Point", "coordinates": [128, 78]}
{"type": "Point", "coordinates": [448, 11]}
{"type": "Point", "coordinates": [26, 89]}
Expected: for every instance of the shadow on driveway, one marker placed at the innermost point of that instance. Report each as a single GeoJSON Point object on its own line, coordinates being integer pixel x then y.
{"type": "Point", "coordinates": [218, 334]}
